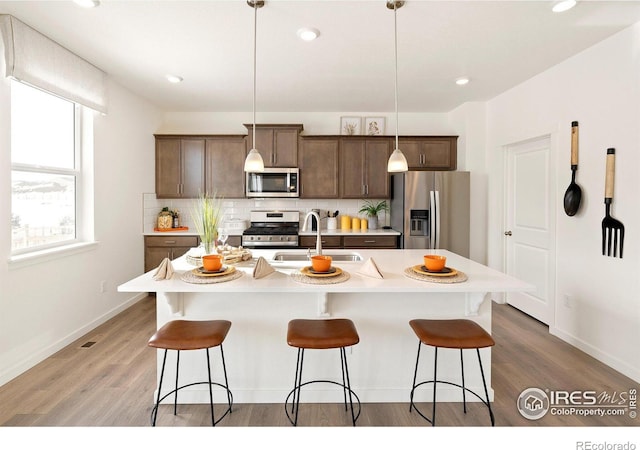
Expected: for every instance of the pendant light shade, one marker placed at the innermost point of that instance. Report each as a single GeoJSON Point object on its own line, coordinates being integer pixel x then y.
{"type": "Point", "coordinates": [254, 162]}
{"type": "Point", "coordinates": [397, 161]}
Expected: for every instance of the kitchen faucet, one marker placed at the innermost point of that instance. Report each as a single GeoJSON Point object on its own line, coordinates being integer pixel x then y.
{"type": "Point", "coordinates": [319, 237]}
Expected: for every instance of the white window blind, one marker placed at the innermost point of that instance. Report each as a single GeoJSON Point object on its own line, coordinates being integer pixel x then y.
{"type": "Point", "coordinates": [35, 59]}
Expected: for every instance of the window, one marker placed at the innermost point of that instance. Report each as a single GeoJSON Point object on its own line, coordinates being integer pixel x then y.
{"type": "Point", "coordinates": [45, 170]}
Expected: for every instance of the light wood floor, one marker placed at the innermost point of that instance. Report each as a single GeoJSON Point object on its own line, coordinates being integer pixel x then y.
{"type": "Point", "coordinates": [111, 383]}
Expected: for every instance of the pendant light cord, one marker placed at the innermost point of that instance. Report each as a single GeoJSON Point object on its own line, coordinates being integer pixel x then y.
{"type": "Point", "coordinates": [255, 40]}
{"type": "Point", "coordinates": [395, 40]}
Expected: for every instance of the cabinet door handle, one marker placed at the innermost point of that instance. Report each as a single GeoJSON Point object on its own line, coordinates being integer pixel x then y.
{"type": "Point", "coordinates": [169, 242]}
{"type": "Point", "coordinates": [373, 241]}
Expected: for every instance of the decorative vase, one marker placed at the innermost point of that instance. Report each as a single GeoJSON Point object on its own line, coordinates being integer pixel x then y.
{"type": "Point", "coordinates": [373, 222]}
{"type": "Point", "coordinates": [208, 246]}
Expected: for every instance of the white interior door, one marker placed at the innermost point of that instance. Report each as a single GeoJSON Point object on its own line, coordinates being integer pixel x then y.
{"type": "Point", "coordinates": [529, 231]}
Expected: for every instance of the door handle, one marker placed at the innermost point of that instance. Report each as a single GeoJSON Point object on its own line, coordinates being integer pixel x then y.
{"type": "Point", "coordinates": [508, 233]}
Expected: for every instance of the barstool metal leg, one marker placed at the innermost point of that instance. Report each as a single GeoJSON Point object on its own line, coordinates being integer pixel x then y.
{"type": "Point", "coordinates": [213, 420]}
{"type": "Point", "coordinates": [299, 387]}
{"type": "Point", "coordinates": [464, 396]}
{"type": "Point", "coordinates": [486, 392]}
{"type": "Point", "coordinates": [175, 398]}
{"type": "Point", "coordinates": [435, 382]}
{"type": "Point", "coordinates": [344, 354]}
{"type": "Point", "coordinates": [344, 385]}
{"type": "Point", "coordinates": [295, 383]}
{"type": "Point", "coordinates": [226, 381]}
{"type": "Point", "coordinates": [155, 412]}
{"type": "Point", "coordinates": [415, 374]}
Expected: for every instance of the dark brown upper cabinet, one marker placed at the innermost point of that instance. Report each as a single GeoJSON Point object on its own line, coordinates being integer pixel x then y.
{"type": "Point", "coordinates": [430, 152]}
{"type": "Point", "coordinates": [319, 167]}
{"type": "Point", "coordinates": [363, 167]}
{"type": "Point", "coordinates": [225, 166]}
{"type": "Point", "coordinates": [179, 167]}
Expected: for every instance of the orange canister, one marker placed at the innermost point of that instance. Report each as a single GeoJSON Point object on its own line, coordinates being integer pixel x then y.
{"type": "Point", "coordinates": [355, 223]}
{"type": "Point", "coordinates": [345, 222]}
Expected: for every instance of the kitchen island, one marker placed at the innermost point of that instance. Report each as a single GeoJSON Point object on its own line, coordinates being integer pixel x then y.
{"type": "Point", "coordinates": [261, 365]}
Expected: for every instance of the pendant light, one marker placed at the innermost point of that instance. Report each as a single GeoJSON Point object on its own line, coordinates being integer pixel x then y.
{"type": "Point", "coordinates": [397, 161]}
{"type": "Point", "coordinates": [253, 162]}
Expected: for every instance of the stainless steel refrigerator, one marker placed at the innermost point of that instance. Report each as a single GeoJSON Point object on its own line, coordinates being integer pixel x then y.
{"type": "Point", "coordinates": [432, 210]}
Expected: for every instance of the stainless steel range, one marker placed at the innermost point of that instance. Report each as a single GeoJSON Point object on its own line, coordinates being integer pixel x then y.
{"type": "Point", "coordinates": [272, 229]}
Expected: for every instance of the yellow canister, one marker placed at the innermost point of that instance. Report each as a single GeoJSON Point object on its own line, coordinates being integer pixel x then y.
{"type": "Point", "coordinates": [355, 223]}
{"type": "Point", "coordinates": [345, 222]}
{"type": "Point", "coordinates": [364, 224]}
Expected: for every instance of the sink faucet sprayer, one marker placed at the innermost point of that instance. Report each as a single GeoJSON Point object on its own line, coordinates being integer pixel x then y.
{"type": "Point", "coordinates": [318, 238]}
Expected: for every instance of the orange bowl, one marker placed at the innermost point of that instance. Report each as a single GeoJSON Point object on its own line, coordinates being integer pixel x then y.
{"type": "Point", "coordinates": [212, 263]}
{"type": "Point", "coordinates": [434, 263]}
{"type": "Point", "coordinates": [321, 263]}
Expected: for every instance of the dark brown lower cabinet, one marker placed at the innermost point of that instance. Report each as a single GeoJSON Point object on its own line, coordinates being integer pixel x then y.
{"type": "Point", "coordinates": [157, 248]}
{"type": "Point", "coordinates": [375, 241]}
{"type": "Point", "coordinates": [370, 241]}
{"type": "Point", "coordinates": [327, 242]}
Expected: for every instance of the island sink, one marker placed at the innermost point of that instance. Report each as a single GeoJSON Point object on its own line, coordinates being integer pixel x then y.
{"type": "Point", "coordinates": [291, 256]}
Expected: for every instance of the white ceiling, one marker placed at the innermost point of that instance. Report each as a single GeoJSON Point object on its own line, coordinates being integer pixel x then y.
{"type": "Point", "coordinates": [498, 44]}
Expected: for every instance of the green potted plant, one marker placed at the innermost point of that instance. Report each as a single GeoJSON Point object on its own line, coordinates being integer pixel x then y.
{"type": "Point", "coordinates": [206, 215]}
{"type": "Point", "coordinates": [372, 209]}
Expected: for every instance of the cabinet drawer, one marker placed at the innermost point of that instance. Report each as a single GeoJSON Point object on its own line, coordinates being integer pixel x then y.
{"type": "Point", "coordinates": [327, 242]}
{"type": "Point", "coordinates": [369, 241]}
{"type": "Point", "coordinates": [171, 241]}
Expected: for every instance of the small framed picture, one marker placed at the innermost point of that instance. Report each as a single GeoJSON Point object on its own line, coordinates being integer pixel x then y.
{"type": "Point", "coordinates": [374, 126]}
{"type": "Point", "coordinates": [351, 125]}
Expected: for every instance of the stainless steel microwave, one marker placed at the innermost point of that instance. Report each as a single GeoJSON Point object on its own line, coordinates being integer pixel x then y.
{"type": "Point", "coordinates": [273, 182]}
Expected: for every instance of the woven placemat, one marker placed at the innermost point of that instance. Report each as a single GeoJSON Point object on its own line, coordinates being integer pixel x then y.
{"type": "Point", "coordinates": [190, 277]}
{"type": "Point", "coordinates": [300, 278]}
{"type": "Point", "coordinates": [457, 278]}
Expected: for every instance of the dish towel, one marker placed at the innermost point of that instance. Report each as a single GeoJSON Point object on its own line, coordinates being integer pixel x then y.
{"type": "Point", "coordinates": [165, 270]}
{"type": "Point", "coordinates": [370, 269]}
{"type": "Point", "coordinates": [262, 268]}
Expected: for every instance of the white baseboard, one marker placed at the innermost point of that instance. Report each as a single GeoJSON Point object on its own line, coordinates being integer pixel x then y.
{"type": "Point", "coordinates": [37, 357]}
{"type": "Point", "coordinates": [609, 360]}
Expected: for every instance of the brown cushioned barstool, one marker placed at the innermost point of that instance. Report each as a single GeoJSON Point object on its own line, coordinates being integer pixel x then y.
{"type": "Point", "coordinates": [191, 335]}
{"type": "Point", "coordinates": [458, 334]}
{"type": "Point", "coordinates": [321, 334]}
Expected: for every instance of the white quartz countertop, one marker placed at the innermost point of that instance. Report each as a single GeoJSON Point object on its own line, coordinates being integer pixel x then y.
{"type": "Point", "coordinates": [390, 262]}
{"type": "Point", "coordinates": [341, 232]}
{"type": "Point", "coordinates": [183, 233]}
{"type": "Point", "coordinates": [324, 232]}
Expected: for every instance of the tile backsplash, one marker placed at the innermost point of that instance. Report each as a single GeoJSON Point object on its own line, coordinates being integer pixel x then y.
{"type": "Point", "coordinates": [241, 208]}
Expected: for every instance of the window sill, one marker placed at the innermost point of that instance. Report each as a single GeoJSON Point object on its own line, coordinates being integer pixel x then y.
{"type": "Point", "coordinates": [29, 259]}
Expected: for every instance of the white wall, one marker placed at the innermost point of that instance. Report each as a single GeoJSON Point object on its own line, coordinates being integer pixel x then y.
{"type": "Point", "coordinates": [48, 305]}
{"type": "Point", "coordinates": [600, 88]}
{"type": "Point", "coordinates": [314, 122]}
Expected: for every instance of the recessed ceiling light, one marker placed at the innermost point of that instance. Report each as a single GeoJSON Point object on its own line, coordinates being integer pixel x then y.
{"type": "Point", "coordinates": [462, 81]}
{"type": "Point", "coordinates": [87, 3]}
{"type": "Point", "coordinates": [174, 79]}
{"type": "Point", "coordinates": [564, 5]}
{"type": "Point", "coordinates": [308, 34]}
